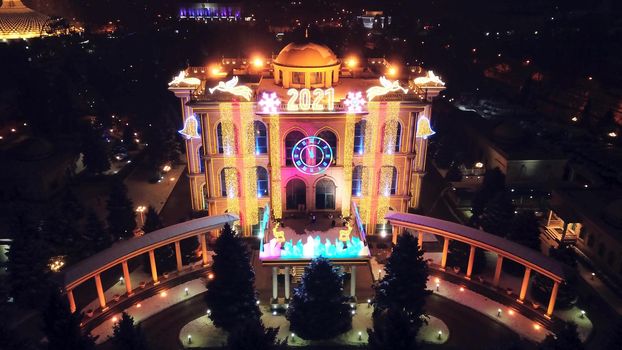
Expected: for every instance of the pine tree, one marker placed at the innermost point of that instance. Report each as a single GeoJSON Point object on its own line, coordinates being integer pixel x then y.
{"type": "Point", "coordinates": [252, 335]}
{"type": "Point", "coordinates": [70, 206]}
{"type": "Point", "coordinates": [498, 215]}
{"type": "Point", "coordinates": [62, 328]}
{"type": "Point", "coordinates": [97, 238]}
{"type": "Point", "coordinates": [319, 300]}
{"type": "Point", "coordinates": [28, 265]}
{"type": "Point", "coordinates": [566, 339]}
{"type": "Point", "coordinates": [121, 216]}
{"type": "Point", "coordinates": [231, 294]}
{"type": "Point", "coordinates": [128, 336]}
{"type": "Point", "coordinates": [94, 151]}
{"type": "Point", "coordinates": [164, 256]}
{"type": "Point", "coordinates": [525, 230]}
{"type": "Point", "coordinates": [494, 182]}
{"type": "Point", "coordinates": [404, 285]}
{"type": "Point", "coordinates": [393, 330]}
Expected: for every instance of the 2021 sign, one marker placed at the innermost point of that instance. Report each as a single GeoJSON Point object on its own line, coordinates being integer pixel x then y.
{"type": "Point", "coordinates": [316, 100]}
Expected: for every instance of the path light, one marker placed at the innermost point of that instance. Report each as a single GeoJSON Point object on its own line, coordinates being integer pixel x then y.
{"type": "Point", "coordinates": [353, 312]}
{"type": "Point", "coordinates": [210, 276]}
{"type": "Point", "coordinates": [593, 275]}
{"type": "Point", "coordinates": [511, 312]}
{"type": "Point", "coordinates": [440, 335]}
{"type": "Point", "coordinates": [209, 312]}
{"type": "Point", "coordinates": [189, 339]}
{"type": "Point", "coordinates": [186, 290]}
{"type": "Point", "coordinates": [114, 319]}
{"type": "Point", "coordinates": [368, 303]}
{"type": "Point", "coordinates": [274, 313]}
{"type": "Point", "coordinates": [121, 280]}
{"type": "Point", "coordinates": [536, 326]}
{"type": "Point", "coordinates": [498, 312]}
{"type": "Point", "coordinates": [293, 338]}
{"type": "Point", "coordinates": [163, 294]}
{"type": "Point", "coordinates": [462, 289]}
{"type": "Point", "coordinates": [360, 335]}
{"type": "Point", "coordinates": [437, 286]}
{"type": "Point", "coordinates": [582, 314]}
{"type": "Point", "coordinates": [257, 302]}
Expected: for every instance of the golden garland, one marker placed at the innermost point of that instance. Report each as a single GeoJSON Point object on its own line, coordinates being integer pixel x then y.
{"type": "Point", "coordinates": [275, 164]}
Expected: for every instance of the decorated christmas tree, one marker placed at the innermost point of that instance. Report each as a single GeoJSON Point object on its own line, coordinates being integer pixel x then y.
{"type": "Point", "coordinates": [318, 309]}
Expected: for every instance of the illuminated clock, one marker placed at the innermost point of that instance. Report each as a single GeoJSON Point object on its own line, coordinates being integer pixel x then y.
{"type": "Point", "coordinates": [312, 155]}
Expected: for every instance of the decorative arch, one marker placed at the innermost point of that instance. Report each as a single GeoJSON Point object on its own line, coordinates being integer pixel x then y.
{"type": "Point", "coordinates": [296, 194]}
{"type": "Point", "coordinates": [325, 193]}
{"type": "Point", "coordinates": [261, 137]}
{"type": "Point", "coordinates": [262, 182]}
{"type": "Point", "coordinates": [331, 137]}
{"type": "Point", "coordinates": [292, 136]}
{"type": "Point", "coordinates": [359, 137]}
{"type": "Point", "coordinates": [388, 146]}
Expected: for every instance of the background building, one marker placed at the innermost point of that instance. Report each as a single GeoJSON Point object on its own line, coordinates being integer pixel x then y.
{"type": "Point", "coordinates": [305, 131]}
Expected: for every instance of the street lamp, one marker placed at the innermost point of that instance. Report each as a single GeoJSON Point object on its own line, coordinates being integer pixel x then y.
{"type": "Point", "coordinates": [582, 314]}
{"type": "Point", "coordinates": [186, 290]}
{"type": "Point", "coordinates": [141, 211]}
{"type": "Point", "coordinates": [440, 335]}
{"type": "Point", "coordinates": [498, 312]}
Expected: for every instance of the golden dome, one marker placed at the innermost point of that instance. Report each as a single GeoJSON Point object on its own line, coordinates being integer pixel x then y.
{"type": "Point", "coordinates": [19, 22]}
{"type": "Point", "coordinates": [306, 55]}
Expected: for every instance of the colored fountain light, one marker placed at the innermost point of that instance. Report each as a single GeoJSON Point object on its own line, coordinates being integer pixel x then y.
{"type": "Point", "coordinates": [313, 248]}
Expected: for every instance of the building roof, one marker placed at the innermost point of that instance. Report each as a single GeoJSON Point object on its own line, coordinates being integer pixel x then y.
{"type": "Point", "coordinates": [124, 250]}
{"type": "Point", "coordinates": [306, 55]}
{"type": "Point", "coordinates": [20, 22]}
{"type": "Point", "coordinates": [484, 240]}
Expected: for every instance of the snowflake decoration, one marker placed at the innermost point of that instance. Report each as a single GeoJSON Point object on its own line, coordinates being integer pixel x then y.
{"type": "Point", "coordinates": [270, 103]}
{"type": "Point", "coordinates": [355, 102]}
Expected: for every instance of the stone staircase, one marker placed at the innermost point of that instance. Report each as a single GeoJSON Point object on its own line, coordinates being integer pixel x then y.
{"type": "Point", "coordinates": [297, 272]}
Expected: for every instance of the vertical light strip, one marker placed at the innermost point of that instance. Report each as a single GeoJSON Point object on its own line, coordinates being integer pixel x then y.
{"type": "Point", "coordinates": [249, 166]}
{"type": "Point", "coordinates": [231, 173]}
{"type": "Point", "coordinates": [347, 165]}
{"type": "Point", "coordinates": [388, 160]}
{"type": "Point", "coordinates": [275, 166]}
{"type": "Point", "coordinates": [369, 158]}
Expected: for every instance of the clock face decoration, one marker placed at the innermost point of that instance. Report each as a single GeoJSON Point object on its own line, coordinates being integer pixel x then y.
{"type": "Point", "coordinates": [312, 155]}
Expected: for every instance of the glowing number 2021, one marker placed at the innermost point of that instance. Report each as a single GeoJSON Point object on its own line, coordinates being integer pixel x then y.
{"type": "Point", "coordinates": [301, 100]}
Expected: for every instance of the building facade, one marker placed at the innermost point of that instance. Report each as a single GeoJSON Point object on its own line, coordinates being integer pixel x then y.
{"type": "Point", "coordinates": [305, 131]}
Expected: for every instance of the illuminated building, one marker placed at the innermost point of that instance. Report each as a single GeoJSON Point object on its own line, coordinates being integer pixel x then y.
{"type": "Point", "coordinates": [210, 11]}
{"type": "Point", "coordinates": [302, 132]}
{"type": "Point", "coordinates": [20, 22]}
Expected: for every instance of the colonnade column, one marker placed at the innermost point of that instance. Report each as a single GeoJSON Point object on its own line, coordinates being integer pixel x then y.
{"type": "Point", "coordinates": [275, 283]}
{"type": "Point", "coordinates": [549, 310]}
{"type": "Point", "coordinates": [469, 270]}
{"type": "Point", "coordinates": [100, 292]}
{"type": "Point", "coordinates": [420, 240]}
{"type": "Point", "coordinates": [178, 256]}
{"type": "Point", "coordinates": [72, 301]}
{"type": "Point", "coordinates": [525, 285]}
{"type": "Point", "coordinates": [394, 233]}
{"type": "Point", "coordinates": [203, 248]}
{"type": "Point", "coordinates": [287, 277]}
{"type": "Point", "coordinates": [353, 281]}
{"type": "Point", "coordinates": [126, 278]}
{"type": "Point", "coordinates": [445, 250]}
{"type": "Point", "coordinates": [495, 281]}
{"type": "Point", "coordinates": [154, 268]}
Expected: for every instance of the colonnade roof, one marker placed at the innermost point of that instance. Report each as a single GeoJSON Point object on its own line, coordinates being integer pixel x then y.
{"type": "Point", "coordinates": [484, 240]}
{"type": "Point", "coordinates": [124, 250]}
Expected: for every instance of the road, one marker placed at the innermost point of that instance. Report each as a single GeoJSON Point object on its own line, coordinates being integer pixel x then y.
{"type": "Point", "coordinates": [469, 329]}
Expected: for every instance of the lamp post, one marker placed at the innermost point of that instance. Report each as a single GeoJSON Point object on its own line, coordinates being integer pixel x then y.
{"type": "Point", "coordinates": [141, 213]}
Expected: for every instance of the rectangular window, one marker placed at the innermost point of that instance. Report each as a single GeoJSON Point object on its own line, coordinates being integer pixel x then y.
{"type": "Point", "coordinates": [298, 78]}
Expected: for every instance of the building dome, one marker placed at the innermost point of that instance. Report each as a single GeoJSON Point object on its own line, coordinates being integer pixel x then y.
{"type": "Point", "coordinates": [19, 22]}
{"type": "Point", "coordinates": [613, 213]}
{"type": "Point", "coordinates": [306, 55]}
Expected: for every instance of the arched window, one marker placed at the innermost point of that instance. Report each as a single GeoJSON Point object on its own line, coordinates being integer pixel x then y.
{"type": "Point", "coordinates": [290, 140]}
{"type": "Point", "coordinates": [205, 196]}
{"type": "Point", "coordinates": [224, 190]}
{"type": "Point", "coordinates": [357, 181]}
{"type": "Point", "coordinates": [295, 195]}
{"type": "Point", "coordinates": [262, 181]}
{"type": "Point", "coordinates": [219, 144]}
{"type": "Point", "coordinates": [393, 187]}
{"type": "Point", "coordinates": [391, 145]}
{"type": "Point", "coordinates": [200, 157]}
{"type": "Point", "coordinates": [359, 137]}
{"type": "Point", "coordinates": [325, 194]}
{"type": "Point", "coordinates": [261, 138]}
{"type": "Point", "coordinates": [331, 139]}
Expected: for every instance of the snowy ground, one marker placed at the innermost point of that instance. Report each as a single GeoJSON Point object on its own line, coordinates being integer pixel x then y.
{"type": "Point", "coordinates": [151, 306]}
{"type": "Point", "coordinates": [204, 334]}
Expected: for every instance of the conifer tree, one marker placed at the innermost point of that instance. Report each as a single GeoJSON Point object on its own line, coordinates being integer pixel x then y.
{"type": "Point", "coordinates": [97, 238]}
{"type": "Point", "coordinates": [566, 339]}
{"type": "Point", "coordinates": [494, 182]}
{"type": "Point", "coordinates": [393, 330]}
{"type": "Point", "coordinates": [319, 300]}
{"type": "Point", "coordinates": [498, 215]}
{"type": "Point", "coordinates": [70, 206]}
{"type": "Point", "coordinates": [525, 230]}
{"type": "Point", "coordinates": [128, 336]}
{"type": "Point", "coordinates": [231, 294]}
{"type": "Point", "coordinates": [62, 328]}
{"type": "Point", "coordinates": [121, 217]}
{"type": "Point", "coordinates": [164, 256]}
{"type": "Point", "coordinates": [403, 286]}
{"type": "Point", "coordinates": [252, 335]}
{"type": "Point", "coordinates": [94, 151]}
